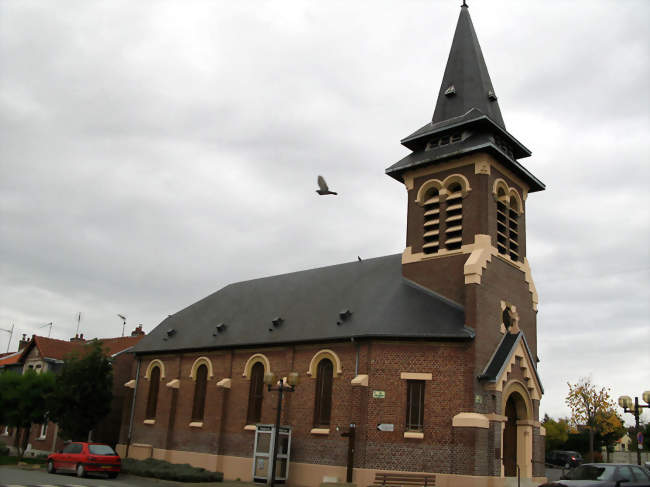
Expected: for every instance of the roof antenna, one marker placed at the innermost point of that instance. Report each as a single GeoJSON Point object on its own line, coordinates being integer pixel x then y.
{"type": "Point", "coordinates": [123, 318]}
{"type": "Point", "coordinates": [78, 321]}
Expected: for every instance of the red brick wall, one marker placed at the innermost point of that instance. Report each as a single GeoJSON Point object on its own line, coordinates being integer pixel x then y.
{"type": "Point", "coordinates": [442, 450]}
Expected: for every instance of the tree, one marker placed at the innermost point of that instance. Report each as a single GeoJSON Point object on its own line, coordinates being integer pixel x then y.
{"type": "Point", "coordinates": [591, 408]}
{"type": "Point", "coordinates": [611, 431]}
{"type": "Point", "coordinates": [25, 399]}
{"type": "Point", "coordinates": [84, 391]}
{"type": "Point", "coordinates": [557, 432]}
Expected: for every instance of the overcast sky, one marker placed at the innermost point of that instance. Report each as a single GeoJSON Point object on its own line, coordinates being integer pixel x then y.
{"type": "Point", "coordinates": [153, 152]}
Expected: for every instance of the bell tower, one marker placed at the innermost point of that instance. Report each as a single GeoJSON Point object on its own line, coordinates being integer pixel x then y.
{"type": "Point", "coordinates": [466, 241]}
{"type": "Point", "coordinates": [466, 186]}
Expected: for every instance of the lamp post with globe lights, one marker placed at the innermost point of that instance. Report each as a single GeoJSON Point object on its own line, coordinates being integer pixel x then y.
{"type": "Point", "coordinates": [635, 408]}
{"type": "Point", "coordinates": [287, 384]}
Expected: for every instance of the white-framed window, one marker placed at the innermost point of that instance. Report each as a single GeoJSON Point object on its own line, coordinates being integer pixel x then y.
{"type": "Point", "coordinates": [43, 433]}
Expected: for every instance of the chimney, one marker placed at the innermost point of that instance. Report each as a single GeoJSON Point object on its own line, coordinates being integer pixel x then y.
{"type": "Point", "coordinates": [137, 332]}
{"type": "Point", "coordinates": [78, 338]}
{"type": "Point", "coordinates": [24, 341]}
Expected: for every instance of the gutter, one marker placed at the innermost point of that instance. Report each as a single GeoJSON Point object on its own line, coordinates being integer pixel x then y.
{"type": "Point", "coordinates": [135, 395]}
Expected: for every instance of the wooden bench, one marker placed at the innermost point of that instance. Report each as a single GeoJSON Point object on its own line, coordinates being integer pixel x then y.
{"type": "Point", "coordinates": [404, 479]}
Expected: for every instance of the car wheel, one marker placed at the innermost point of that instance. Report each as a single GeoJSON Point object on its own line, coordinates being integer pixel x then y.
{"type": "Point", "coordinates": [112, 475]}
{"type": "Point", "coordinates": [50, 467]}
{"type": "Point", "coordinates": [81, 471]}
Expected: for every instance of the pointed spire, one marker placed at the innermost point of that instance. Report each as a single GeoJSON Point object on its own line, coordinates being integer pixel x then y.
{"type": "Point", "coordinates": [466, 83]}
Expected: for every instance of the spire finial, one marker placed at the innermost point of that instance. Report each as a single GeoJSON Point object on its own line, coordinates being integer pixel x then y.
{"type": "Point", "coordinates": [464, 4]}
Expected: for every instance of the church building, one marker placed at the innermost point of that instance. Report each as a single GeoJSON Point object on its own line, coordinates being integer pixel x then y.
{"type": "Point", "coordinates": [423, 362]}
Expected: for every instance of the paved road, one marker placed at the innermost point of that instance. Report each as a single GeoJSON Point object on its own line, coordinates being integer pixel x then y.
{"type": "Point", "coordinates": [17, 477]}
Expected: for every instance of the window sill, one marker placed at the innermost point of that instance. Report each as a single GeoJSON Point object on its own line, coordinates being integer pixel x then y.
{"type": "Point", "coordinates": [414, 435]}
{"type": "Point", "coordinates": [41, 438]}
{"type": "Point", "coordinates": [320, 431]}
{"type": "Point", "coordinates": [196, 424]}
{"type": "Point", "coordinates": [250, 427]}
{"type": "Point", "coordinates": [149, 421]}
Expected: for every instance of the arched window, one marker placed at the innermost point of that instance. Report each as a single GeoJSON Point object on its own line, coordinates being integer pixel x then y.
{"type": "Point", "coordinates": [431, 221]}
{"type": "Point", "coordinates": [199, 393]}
{"type": "Point", "coordinates": [323, 400]}
{"type": "Point", "coordinates": [255, 394]}
{"type": "Point", "coordinates": [454, 216]}
{"type": "Point", "coordinates": [152, 400]}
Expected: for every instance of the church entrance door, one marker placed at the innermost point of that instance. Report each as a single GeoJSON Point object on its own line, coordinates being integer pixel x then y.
{"type": "Point", "coordinates": [510, 439]}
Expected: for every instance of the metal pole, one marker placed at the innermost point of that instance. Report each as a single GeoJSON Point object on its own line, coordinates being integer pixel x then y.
{"type": "Point", "coordinates": [636, 421]}
{"type": "Point", "coordinates": [276, 434]}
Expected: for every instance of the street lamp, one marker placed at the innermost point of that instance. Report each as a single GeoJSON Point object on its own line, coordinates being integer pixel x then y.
{"type": "Point", "coordinates": [626, 403]}
{"type": "Point", "coordinates": [292, 381]}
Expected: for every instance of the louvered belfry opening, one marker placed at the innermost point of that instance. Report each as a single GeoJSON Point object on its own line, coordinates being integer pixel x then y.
{"type": "Point", "coordinates": [414, 405]}
{"type": "Point", "coordinates": [513, 228]}
{"type": "Point", "coordinates": [323, 399]}
{"type": "Point", "coordinates": [255, 394]}
{"type": "Point", "coordinates": [199, 393]}
{"type": "Point", "coordinates": [152, 400]}
{"type": "Point", "coordinates": [454, 217]}
{"type": "Point", "coordinates": [431, 222]}
{"type": "Point", "coordinates": [502, 222]}
{"type": "Point", "coordinates": [507, 225]}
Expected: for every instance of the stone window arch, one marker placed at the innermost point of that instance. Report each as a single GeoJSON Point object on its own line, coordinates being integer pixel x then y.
{"type": "Point", "coordinates": [324, 354]}
{"type": "Point", "coordinates": [197, 363]}
{"type": "Point", "coordinates": [155, 363]}
{"type": "Point", "coordinates": [252, 360]}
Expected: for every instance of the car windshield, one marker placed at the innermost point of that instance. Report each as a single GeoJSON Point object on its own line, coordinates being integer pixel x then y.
{"type": "Point", "coordinates": [591, 472]}
{"type": "Point", "coordinates": [101, 450]}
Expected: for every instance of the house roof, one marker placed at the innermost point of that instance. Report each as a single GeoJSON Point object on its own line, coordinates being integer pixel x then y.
{"type": "Point", "coordinates": [309, 306]}
{"type": "Point", "coordinates": [10, 358]}
{"type": "Point", "coordinates": [52, 348]}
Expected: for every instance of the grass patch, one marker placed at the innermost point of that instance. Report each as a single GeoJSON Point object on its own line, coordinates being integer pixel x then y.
{"type": "Point", "coordinates": [7, 460]}
{"type": "Point", "coordinates": [160, 469]}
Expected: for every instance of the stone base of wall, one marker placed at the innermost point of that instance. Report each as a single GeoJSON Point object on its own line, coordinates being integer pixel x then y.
{"type": "Point", "coordinates": [305, 474]}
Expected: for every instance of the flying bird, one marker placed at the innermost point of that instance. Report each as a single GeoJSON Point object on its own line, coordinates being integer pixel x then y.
{"type": "Point", "coordinates": [322, 187]}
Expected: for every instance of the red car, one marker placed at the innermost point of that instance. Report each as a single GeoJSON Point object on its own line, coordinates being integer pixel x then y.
{"type": "Point", "coordinates": [82, 458]}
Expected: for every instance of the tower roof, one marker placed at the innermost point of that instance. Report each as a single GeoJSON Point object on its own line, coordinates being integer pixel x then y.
{"type": "Point", "coordinates": [466, 84]}
{"type": "Point", "coordinates": [467, 118]}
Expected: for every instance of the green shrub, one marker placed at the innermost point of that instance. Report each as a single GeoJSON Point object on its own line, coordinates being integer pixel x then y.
{"type": "Point", "coordinates": [160, 469]}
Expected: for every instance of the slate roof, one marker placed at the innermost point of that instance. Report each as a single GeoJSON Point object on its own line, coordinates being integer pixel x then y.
{"type": "Point", "coordinates": [467, 72]}
{"type": "Point", "coordinates": [502, 356]}
{"type": "Point", "coordinates": [466, 105]}
{"type": "Point", "coordinates": [381, 302]}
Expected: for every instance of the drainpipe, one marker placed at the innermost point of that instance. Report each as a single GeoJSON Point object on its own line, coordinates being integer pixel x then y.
{"type": "Point", "coordinates": [135, 395]}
